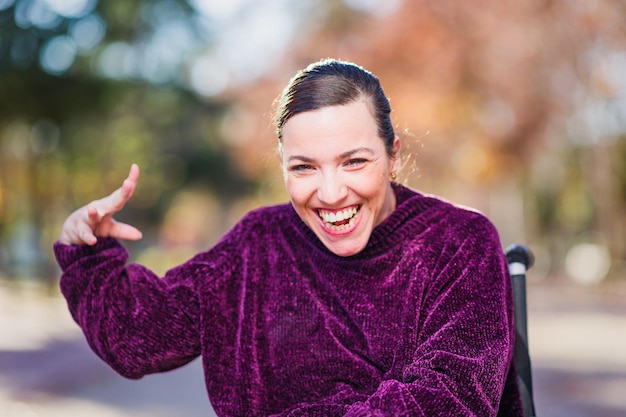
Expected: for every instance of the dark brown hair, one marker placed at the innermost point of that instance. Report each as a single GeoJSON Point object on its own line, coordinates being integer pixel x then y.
{"type": "Point", "coordinates": [331, 82]}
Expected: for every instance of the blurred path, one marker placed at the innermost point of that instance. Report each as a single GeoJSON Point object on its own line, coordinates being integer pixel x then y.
{"type": "Point", "coordinates": [577, 340]}
{"type": "Point", "coordinates": [47, 369]}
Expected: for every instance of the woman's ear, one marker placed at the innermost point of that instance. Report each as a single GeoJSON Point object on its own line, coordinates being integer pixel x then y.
{"type": "Point", "coordinates": [395, 154]}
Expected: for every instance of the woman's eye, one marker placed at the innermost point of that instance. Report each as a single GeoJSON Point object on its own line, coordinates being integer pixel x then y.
{"type": "Point", "coordinates": [301, 167]}
{"type": "Point", "coordinates": [355, 162]}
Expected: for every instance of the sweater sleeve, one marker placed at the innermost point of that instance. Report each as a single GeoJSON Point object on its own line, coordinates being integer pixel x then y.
{"type": "Point", "coordinates": [464, 339]}
{"type": "Point", "coordinates": [135, 321]}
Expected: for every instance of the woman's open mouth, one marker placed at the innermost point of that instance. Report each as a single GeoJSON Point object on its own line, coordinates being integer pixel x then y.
{"type": "Point", "coordinates": [339, 220]}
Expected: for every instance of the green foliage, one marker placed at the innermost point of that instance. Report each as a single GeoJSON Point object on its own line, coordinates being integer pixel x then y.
{"type": "Point", "coordinates": [70, 137]}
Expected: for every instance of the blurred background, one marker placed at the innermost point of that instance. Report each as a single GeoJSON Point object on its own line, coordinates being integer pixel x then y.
{"type": "Point", "coordinates": [515, 108]}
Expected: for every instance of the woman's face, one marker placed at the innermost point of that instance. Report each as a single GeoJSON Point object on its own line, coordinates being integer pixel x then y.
{"type": "Point", "coordinates": [336, 170]}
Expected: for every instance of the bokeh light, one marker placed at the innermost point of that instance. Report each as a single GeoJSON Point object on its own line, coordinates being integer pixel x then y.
{"type": "Point", "coordinates": [588, 263]}
{"type": "Point", "coordinates": [36, 13]}
{"type": "Point", "coordinates": [87, 32]}
{"type": "Point", "coordinates": [116, 61]}
{"type": "Point", "coordinates": [71, 8]}
{"type": "Point", "coordinates": [57, 55]}
{"type": "Point", "coordinates": [208, 77]}
{"type": "Point", "coordinates": [5, 4]}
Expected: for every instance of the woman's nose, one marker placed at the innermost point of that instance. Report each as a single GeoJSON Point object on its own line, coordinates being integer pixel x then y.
{"type": "Point", "coordinates": [331, 189]}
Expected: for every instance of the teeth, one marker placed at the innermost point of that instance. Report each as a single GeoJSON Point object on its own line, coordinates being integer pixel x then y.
{"type": "Point", "coordinates": [332, 217]}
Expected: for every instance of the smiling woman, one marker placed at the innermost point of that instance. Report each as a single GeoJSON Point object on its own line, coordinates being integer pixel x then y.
{"type": "Point", "coordinates": [361, 297]}
{"type": "Point", "coordinates": [337, 172]}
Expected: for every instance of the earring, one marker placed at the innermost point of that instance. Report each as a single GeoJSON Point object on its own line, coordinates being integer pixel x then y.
{"type": "Point", "coordinates": [393, 176]}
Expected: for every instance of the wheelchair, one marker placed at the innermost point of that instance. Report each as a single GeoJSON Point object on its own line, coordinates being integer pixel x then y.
{"type": "Point", "coordinates": [520, 259]}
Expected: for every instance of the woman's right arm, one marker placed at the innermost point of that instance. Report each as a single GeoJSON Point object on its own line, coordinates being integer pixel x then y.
{"type": "Point", "coordinates": [132, 319]}
{"type": "Point", "coordinates": [135, 321]}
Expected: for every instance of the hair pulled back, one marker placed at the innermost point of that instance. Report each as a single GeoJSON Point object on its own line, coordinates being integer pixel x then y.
{"type": "Point", "coordinates": [331, 82]}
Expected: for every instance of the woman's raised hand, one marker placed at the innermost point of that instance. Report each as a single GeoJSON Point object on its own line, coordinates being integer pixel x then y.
{"type": "Point", "coordinates": [88, 223]}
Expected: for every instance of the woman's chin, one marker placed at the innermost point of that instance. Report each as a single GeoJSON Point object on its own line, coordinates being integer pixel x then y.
{"type": "Point", "coordinates": [345, 249]}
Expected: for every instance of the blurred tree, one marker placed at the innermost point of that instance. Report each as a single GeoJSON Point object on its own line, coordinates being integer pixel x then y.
{"type": "Point", "coordinates": [72, 108]}
{"type": "Point", "coordinates": [498, 97]}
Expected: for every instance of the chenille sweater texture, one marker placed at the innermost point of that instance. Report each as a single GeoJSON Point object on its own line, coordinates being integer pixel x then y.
{"type": "Point", "coordinates": [419, 323]}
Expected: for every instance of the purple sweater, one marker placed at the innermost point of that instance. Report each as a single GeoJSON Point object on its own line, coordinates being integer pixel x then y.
{"type": "Point", "coordinates": [419, 323]}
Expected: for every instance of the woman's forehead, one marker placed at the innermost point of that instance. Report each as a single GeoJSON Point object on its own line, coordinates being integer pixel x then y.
{"type": "Point", "coordinates": [352, 119]}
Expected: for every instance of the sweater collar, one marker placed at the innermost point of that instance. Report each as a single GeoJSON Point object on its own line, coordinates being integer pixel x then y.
{"type": "Point", "coordinates": [384, 236]}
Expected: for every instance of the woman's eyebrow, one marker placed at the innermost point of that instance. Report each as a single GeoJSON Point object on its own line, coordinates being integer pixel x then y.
{"type": "Point", "coordinates": [300, 158]}
{"type": "Point", "coordinates": [343, 155]}
{"type": "Point", "coordinates": [355, 151]}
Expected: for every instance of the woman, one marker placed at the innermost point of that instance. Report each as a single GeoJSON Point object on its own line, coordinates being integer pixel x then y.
{"type": "Point", "coordinates": [359, 298]}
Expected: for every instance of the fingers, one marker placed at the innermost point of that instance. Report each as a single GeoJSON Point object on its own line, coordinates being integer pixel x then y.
{"type": "Point", "coordinates": [101, 212]}
{"type": "Point", "coordinates": [92, 214]}
{"type": "Point", "coordinates": [116, 201]}
{"type": "Point", "coordinates": [133, 174]}
{"type": "Point", "coordinates": [124, 231]}
{"type": "Point", "coordinates": [86, 229]}
{"type": "Point", "coordinates": [130, 183]}
{"type": "Point", "coordinates": [78, 229]}
{"type": "Point", "coordinates": [85, 224]}
{"type": "Point", "coordinates": [87, 237]}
